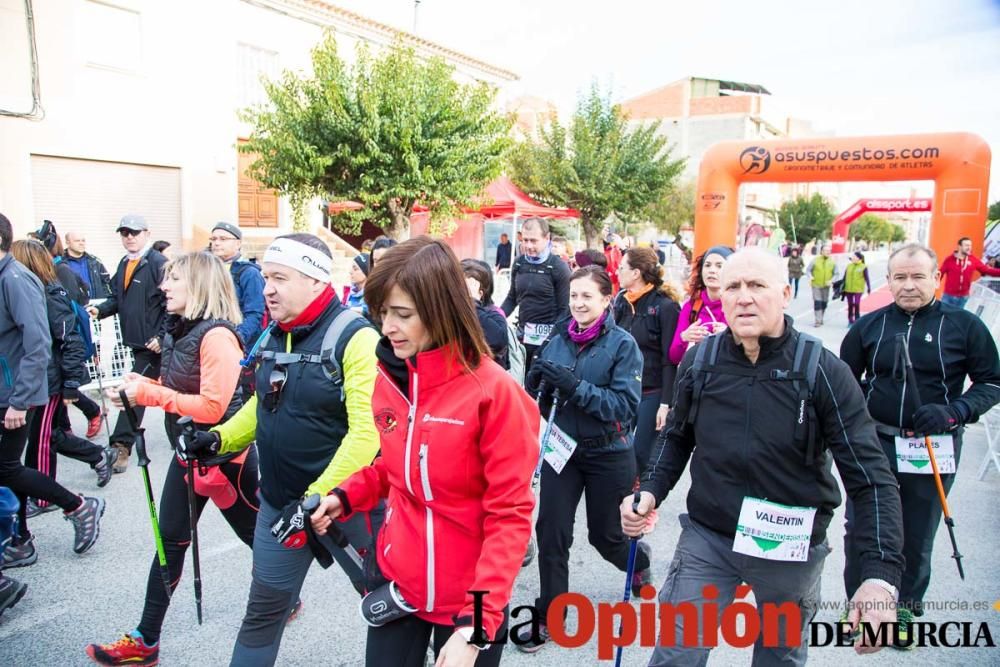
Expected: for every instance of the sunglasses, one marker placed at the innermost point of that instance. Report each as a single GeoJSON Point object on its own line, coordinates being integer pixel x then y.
{"type": "Point", "coordinates": [130, 232]}
{"type": "Point", "coordinates": [277, 382]}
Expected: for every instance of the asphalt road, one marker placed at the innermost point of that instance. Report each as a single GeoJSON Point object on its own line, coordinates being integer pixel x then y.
{"type": "Point", "coordinates": [73, 600]}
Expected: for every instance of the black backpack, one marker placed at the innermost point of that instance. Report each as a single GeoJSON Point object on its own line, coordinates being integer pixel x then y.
{"type": "Point", "coordinates": [802, 375]}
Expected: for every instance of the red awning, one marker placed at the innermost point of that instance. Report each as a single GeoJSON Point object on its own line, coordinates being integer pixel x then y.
{"type": "Point", "coordinates": [335, 207]}
{"type": "Point", "coordinates": [508, 200]}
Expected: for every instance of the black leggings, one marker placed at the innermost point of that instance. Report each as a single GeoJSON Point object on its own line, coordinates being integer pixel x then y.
{"type": "Point", "coordinates": [25, 482]}
{"type": "Point", "coordinates": [47, 438]}
{"type": "Point", "coordinates": [404, 643]}
{"type": "Point", "coordinates": [175, 527]}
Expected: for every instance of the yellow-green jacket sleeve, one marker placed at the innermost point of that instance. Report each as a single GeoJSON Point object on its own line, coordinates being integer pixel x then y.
{"type": "Point", "coordinates": [361, 444]}
{"type": "Point", "coordinates": [238, 431]}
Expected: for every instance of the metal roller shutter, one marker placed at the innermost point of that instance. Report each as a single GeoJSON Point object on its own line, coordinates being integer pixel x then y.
{"type": "Point", "coordinates": [91, 196]}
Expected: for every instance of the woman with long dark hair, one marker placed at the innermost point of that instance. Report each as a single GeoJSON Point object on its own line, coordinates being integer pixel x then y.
{"type": "Point", "coordinates": [459, 443]}
{"type": "Point", "coordinates": [593, 368]}
{"type": "Point", "coordinates": [198, 379]}
{"type": "Point", "coordinates": [647, 308]}
{"type": "Point", "coordinates": [702, 313]}
{"type": "Point", "coordinates": [479, 280]}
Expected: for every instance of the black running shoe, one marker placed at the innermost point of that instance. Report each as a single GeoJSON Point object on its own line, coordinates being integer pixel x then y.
{"type": "Point", "coordinates": [11, 592]}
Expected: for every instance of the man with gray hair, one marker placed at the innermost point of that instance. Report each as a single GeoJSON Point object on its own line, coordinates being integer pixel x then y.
{"type": "Point", "coordinates": [760, 501]}
{"type": "Point", "coordinates": [945, 344]}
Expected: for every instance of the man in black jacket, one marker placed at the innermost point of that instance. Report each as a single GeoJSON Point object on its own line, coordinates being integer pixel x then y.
{"type": "Point", "coordinates": [945, 344]}
{"type": "Point", "coordinates": [504, 250]}
{"type": "Point", "coordinates": [90, 269]}
{"type": "Point", "coordinates": [762, 491]}
{"type": "Point", "coordinates": [141, 308]}
{"type": "Point", "coordinates": [539, 288]}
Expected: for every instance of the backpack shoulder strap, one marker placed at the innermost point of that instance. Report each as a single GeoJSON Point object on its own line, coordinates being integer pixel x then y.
{"type": "Point", "coordinates": [705, 356]}
{"type": "Point", "coordinates": [805, 366]}
{"type": "Point", "coordinates": [335, 342]}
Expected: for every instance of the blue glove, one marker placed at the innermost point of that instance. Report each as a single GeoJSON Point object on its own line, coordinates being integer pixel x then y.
{"type": "Point", "coordinates": [934, 418]}
{"type": "Point", "coordinates": [559, 377]}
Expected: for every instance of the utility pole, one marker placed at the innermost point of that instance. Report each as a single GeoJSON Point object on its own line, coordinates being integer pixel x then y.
{"type": "Point", "coordinates": [416, 7]}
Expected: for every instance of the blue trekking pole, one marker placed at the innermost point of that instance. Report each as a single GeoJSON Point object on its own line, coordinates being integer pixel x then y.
{"type": "Point", "coordinates": [629, 571]}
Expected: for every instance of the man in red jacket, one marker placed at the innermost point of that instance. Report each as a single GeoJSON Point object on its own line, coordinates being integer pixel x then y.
{"type": "Point", "coordinates": [957, 269]}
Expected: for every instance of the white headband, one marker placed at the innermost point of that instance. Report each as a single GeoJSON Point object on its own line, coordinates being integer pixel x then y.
{"type": "Point", "coordinates": [300, 257]}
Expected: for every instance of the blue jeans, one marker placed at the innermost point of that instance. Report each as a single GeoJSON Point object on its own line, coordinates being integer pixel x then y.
{"type": "Point", "coordinates": [957, 301]}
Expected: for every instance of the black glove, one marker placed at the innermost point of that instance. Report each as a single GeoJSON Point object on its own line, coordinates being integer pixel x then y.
{"type": "Point", "coordinates": [533, 377]}
{"type": "Point", "coordinates": [202, 445]}
{"type": "Point", "coordinates": [71, 394]}
{"type": "Point", "coordinates": [559, 377]}
{"type": "Point", "coordinates": [290, 528]}
{"type": "Point", "coordinates": [934, 418]}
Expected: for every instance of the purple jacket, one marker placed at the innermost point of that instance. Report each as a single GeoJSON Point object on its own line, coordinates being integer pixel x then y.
{"type": "Point", "coordinates": [711, 311]}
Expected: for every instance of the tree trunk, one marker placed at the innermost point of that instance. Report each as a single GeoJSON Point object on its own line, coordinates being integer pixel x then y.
{"type": "Point", "coordinates": [591, 234]}
{"type": "Point", "coordinates": [398, 226]}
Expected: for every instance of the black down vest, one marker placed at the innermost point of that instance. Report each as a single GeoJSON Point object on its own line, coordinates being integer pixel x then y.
{"type": "Point", "coordinates": [180, 367]}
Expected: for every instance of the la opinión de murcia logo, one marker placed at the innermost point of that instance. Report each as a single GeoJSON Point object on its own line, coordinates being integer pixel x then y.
{"type": "Point", "coordinates": [755, 160]}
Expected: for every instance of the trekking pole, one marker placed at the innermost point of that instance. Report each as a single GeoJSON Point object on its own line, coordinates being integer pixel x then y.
{"type": "Point", "coordinates": [629, 571]}
{"type": "Point", "coordinates": [334, 547]}
{"type": "Point", "coordinates": [545, 436]}
{"type": "Point", "coordinates": [100, 389]}
{"type": "Point", "coordinates": [911, 378]}
{"type": "Point", "coordinates": [143, 459]}
{"type": "Point", "coordinates": [187, 432]}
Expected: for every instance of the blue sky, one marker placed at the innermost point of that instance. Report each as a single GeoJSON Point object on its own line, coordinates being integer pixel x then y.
{"type": "Point", "coordinates": [852, 67]}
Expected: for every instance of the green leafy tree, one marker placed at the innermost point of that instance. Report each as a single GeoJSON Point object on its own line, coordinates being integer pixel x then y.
{"type": "Point", "coordinates": [994, 212]}
{"type": "Point", "coordinates": [896, 233]}
{"type": "Point", "coordinates": [389, 132]}
{"type": "Point", "coordinates": [597, 164]}
{"type": "Point", "coordinates": [869, 227]}
{"type": "Point", "coordinates": [813, 218]}
{"type": "Point", "coordinates": [673, 210]}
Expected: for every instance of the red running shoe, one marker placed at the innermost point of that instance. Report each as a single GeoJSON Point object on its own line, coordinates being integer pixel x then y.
{"type": "Point", "coordinates": [131, 649]}
{"type": "Point", "coordinates": [94, 425]}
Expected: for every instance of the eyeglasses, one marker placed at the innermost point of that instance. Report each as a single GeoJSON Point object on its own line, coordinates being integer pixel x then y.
{"type": "Point", "coordinates": [130, 232]}
{"type": "Point", "coordinates": [277, 381]}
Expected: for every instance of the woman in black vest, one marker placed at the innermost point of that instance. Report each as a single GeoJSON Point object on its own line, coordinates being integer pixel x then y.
{"type": "Point", "coordinates": [648, 309]}
{"type": "Point", "coordinates": [199, 375]}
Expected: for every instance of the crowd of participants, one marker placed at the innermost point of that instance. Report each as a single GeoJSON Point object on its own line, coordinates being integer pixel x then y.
{"type": "Point", "coordinates": [402, 417]}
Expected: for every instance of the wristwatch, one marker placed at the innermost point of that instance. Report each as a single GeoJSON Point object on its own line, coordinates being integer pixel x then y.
{"type": "Point", "coordinates": [466, 633]}
{"type": "Point", "coordinates": [882, 583]}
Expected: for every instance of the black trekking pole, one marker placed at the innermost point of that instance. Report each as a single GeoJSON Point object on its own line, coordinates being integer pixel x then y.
{"type": "Point", "coordinates": [911, 378]}
{"type": "Point", "coordinates": [187, 432]}
{"type": "Point", "coordinates": [335, 547]}
{"type": "Point", "coordinates": [143, 459]}
{"type": "Point", "coordinates": [629, 570]}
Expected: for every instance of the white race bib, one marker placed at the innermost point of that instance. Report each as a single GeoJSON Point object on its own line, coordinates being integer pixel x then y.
{"type": "Point", "coordinates": [536, 334]}
{"type": "Point", "coordinates": [558, 448]}
{"type": "Point", "coordinates": [774, 532]}
{"type": "Point", "coordinates": [912, 457]}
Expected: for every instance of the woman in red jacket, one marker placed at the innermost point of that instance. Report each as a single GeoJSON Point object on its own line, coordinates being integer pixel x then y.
{"type": "Point", "coordinates": [459, 443]}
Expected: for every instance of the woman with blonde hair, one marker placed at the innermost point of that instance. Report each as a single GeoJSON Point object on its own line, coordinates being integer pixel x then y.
{"type": "Point", "coordinates": [199, 378]}
{"type": "Point", "coordinates": [648, 308]}
{"type": "Point", "coordinates": [459, 444]}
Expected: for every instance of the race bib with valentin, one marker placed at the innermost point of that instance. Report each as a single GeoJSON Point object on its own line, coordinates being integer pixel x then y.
{"type": "Point", "coordinates": [912, 456]}
{"type": "Point", "coordinates": [774, 532]}
{"type": "Point", "coordinates": [536, 334]}
{"type": "Point", "coordinates": [559, 447]}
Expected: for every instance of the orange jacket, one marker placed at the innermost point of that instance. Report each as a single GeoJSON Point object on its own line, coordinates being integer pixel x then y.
{"type": "Point", "coordinates": [220, 372]}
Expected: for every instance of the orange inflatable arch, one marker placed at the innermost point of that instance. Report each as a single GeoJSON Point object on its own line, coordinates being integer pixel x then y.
{"type": "Point", "coordinates": [958, 163]}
